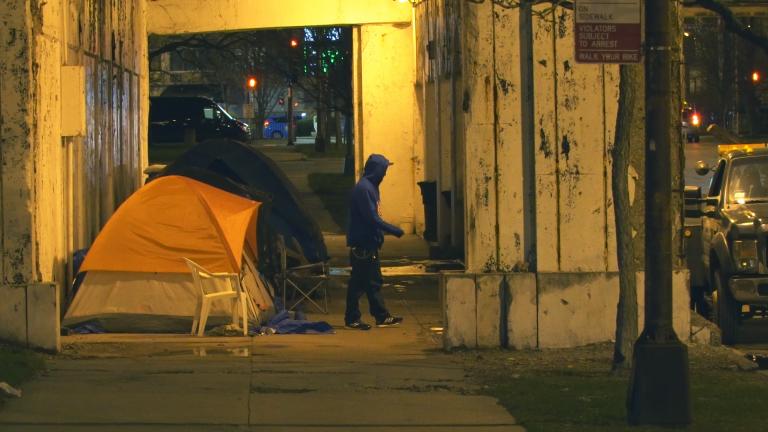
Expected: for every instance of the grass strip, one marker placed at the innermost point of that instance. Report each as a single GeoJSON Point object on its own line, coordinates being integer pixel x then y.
{"type": "Point", "coordinates": [566, 390]}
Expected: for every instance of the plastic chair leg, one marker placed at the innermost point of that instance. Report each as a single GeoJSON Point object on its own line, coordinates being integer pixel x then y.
{"type": "Point", "coordinates": [196, 318]}
{"type": "Point", "coordinates": [244, 312]}
{"type": "Point", "coordinates": [205, 310]}
{"type": "Point", "coordinates": [234, 309]}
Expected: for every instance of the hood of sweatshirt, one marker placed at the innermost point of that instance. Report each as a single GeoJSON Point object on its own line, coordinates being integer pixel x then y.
{"type": "Point", "coordinates": [376, 168]}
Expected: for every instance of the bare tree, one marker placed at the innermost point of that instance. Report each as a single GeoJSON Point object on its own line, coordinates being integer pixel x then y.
{"type": "Point", "coordinates": [628, 151]}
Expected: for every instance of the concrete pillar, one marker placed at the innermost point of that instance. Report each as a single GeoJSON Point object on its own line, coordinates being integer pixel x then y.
{"type": "Point", "coordinates": [480, 163]}
{"type": "Point", "coordinates": [17, 132]}
{"type": "Point", "coordinates": [388, 99]}
{"type": "Point", "coordinates": [54, 179]}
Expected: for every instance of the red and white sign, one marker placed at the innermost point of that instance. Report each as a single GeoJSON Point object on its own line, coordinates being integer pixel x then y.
{"type": "Point", "coordinates": [608, 31]}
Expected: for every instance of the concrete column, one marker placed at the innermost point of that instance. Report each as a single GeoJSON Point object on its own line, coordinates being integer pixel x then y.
{"type": "Point", "coordinates": [388, 98]}
{"type": "Point", "coordinates": [480, 164]}
{"type": "Point", "coordinates": [17, 132]}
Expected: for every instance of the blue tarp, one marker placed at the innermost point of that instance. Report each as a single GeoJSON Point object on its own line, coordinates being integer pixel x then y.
{"type": "Point", "coordinates": [283, 323]}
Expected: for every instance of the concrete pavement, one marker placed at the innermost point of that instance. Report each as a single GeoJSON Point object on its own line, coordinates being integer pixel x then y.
{"type": "Point", "coordinates": [394, 379]}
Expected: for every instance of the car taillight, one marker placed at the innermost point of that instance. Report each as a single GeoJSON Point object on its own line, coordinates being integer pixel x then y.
{"type": "Point", "coordinates": [695, 120]}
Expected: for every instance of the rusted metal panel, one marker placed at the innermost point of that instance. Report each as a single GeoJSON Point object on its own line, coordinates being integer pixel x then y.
{"type": "Point", "coordinates": [509, 143]}
{"type": "Point", "coordinates": [547, 155]}
{"type": "Point", "coordinates": [481, 232]}
{"type": "Point", "coordinates": [581, 148]}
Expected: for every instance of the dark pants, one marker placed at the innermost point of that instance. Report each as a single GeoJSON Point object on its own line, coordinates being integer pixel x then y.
{"type": "Point", "coordinates": [365, 278]}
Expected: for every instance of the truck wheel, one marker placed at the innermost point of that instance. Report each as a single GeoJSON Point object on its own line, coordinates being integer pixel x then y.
{"type": "Point", "coordinates": [726, 310]}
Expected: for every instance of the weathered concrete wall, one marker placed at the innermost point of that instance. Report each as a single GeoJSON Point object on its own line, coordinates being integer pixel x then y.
{"type": "Point", "coordinates": [200, 16]}
{"type": "Point", "coordinates": [574, 109]}
{"type": "Point", "coordinates": [58, 191]}
{"type": "Point", "coordinates": [388, 101]}
{"type": "Point", "coordinates": [543, 310]}
{"type": "Point", "coordinates": [571, 298]}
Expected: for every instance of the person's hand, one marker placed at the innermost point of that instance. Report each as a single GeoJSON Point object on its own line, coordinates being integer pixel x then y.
{"type": "Point", "coordinates": [399, 233]}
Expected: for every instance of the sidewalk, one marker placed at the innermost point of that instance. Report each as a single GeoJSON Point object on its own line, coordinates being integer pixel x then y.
{"type": "Point", "coordinates": [394, 379]}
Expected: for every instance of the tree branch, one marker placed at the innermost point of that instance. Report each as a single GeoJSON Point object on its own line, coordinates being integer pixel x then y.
{"type": "Point", "coordinates": [732, 24]}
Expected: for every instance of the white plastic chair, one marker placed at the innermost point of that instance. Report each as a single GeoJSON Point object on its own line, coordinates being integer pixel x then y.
{"type": "Point", "coordinates": [235, 293]}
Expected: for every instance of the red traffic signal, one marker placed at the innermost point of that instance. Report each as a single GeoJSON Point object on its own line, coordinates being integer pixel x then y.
{"type": "Point", "coordinates": [695, 119]}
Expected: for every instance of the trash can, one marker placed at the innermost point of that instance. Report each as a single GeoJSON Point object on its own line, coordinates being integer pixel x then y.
{"type": "Point", "coordinates": [429, 198]}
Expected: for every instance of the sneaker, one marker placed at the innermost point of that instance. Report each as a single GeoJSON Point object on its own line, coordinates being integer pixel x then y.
{"type": "Point", "coordinates": [358, 325]}
{"type": "Point", "coordinates": [389, 321]}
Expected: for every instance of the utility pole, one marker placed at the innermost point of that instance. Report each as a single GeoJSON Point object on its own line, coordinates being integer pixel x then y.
{"type": "Point", "coordinates": [659, 385]}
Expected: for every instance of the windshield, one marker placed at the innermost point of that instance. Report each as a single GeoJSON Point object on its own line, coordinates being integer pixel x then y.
{"type": "Point", "coordinates": [748, 180]}
{"type": "Point", "coordinates": [226, 114]}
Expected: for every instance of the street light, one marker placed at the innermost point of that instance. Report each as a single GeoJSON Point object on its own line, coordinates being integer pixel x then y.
{"type": "Point", "coordinates": [252, 83]}
{"type": "Point", "coordinates": [755, 76]}
{"type": "Point", "coordinates": [294, 42]}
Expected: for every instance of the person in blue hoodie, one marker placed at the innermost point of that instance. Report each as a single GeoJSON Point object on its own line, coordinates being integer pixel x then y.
{"type": "Point", "coordinates": [364, 238]}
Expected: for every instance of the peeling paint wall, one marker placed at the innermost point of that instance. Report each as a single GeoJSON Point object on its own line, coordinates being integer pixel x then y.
{"type": "Point", "coordinates": [575, 108]}
{"type": "Point", "coordinates": [574, 114]}
{"type": "Point", "coordinates": [567, 295]}
{"type": "Point", "coordinates": [58, 191]}
{"type": "Point", "coordinates": [17, 131]}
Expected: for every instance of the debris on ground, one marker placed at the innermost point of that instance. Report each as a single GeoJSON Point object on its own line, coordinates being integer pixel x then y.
{"type": "Point", "coordinates": [760, 360]}
{"type": "Point", "coordinates": [10, 390]}
{"type": "Point", "coordinates": [289, 322]}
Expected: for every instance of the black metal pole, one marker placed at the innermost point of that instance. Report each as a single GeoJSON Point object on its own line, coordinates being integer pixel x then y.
{"type": "Point", "coordinates": [659, 386]}
{"type": "Point", "coordinates": [290, 115]}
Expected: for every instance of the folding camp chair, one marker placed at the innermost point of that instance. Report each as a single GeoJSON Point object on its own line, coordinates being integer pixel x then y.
{"type": "Point", "coordinates": [235, 292]}
{"type": "Point", "coordinates": [293, 277]}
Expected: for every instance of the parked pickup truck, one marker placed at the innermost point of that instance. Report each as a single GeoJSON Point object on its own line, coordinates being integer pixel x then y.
{"type": "Point", "coordinates": [727, 250]}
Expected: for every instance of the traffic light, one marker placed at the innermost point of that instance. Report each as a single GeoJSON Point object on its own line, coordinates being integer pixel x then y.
{"type": "Point", "coordinates": [252, 83]}
{"type": "Point", "coordinates": [755, 76]}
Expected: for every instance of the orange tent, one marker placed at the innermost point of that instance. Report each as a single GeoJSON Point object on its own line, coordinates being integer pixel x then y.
{"type": "Point", "coordinates": [171, 218]}
{"type": "Point", "coordinates": [136, 278]}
